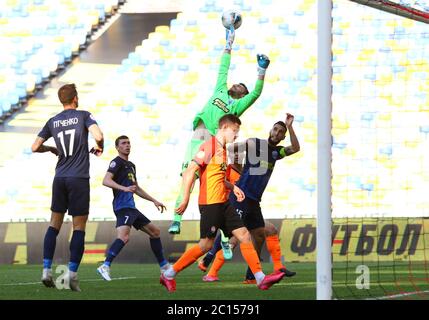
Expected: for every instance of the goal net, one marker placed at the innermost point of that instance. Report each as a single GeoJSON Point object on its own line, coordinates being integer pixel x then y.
{"type": "Point", "coordinates": [380, 127]}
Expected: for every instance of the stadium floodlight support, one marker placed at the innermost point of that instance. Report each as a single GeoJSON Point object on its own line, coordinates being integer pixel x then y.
{"type": "Point", "coordinates": [324, 156]}
{"type": "Point", "coordinates": [396, 8]}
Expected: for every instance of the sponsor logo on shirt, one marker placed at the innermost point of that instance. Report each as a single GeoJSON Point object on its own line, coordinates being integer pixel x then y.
{"type": "Point", "coordinates": [221, 105]}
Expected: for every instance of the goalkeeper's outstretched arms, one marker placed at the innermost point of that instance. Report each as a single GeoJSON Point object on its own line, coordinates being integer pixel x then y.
{"type": "Point", "coordinates": [263, 63]}
{"type": "Point", "coordinates": [225, 61]}
{"type": "Point", "coordinates": [247, 100]}
{"type": "Point", "coordinates": [230, 36]}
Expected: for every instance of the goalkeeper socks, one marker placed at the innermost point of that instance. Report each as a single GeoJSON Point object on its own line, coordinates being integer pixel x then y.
{"type": "Point", "coordinates": [177, 217]}
{"type": "Point", "coordinates": [217, 264]}
{"type": "Point", "coordinates": [114, 250]}
{"type": "Point", "coordinates": [77, 247]}
{"type": "Point", "coordinates": [189, 257]}
{"type": "Point", "coordinates": [156, 246]}
{"type": "Point", "coordinates": [273, 246]}
{"type": "Point", "coordinates": [49, 245]}
{"type": "Point", "coordinates": [251, 257]}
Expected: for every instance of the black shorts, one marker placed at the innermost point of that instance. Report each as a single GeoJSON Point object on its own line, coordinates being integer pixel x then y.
{"type": "Point", "coordinates": [219, 215]}
{"type": "Point", "coordinates": [250, 211]}
{"type": "Point", "coordinates": [72, 195]}
{"type": "Point", "coordinates": [131, 217]}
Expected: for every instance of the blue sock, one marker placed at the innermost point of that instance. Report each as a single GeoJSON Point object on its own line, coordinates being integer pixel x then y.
{"type": "Point", "coordinates": [77, 247]}
{"type": "Point", "coordinates": [249, 274]}
{"type": "Point", "coordinates": [217, 246]}
{"type": "Point", "coordinates": [49, 245]}
{"type": "Point", "coordinates": [114, 250]}
{"type": "Point", "coordinates": [212, 253]}
{"type": "Point", "coordinates": [156, 246]}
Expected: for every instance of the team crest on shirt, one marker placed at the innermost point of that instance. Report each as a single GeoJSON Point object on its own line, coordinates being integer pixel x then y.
{"type": "Point", "coordinates": [213, 229]}
{"type": "Point", "coordinates": [131, 177]}
{"type": "Point", "coordinates": [112, 164]}
{"type": "Point", "coordinates": [223, 166]}
{"type": "Point", "coordinates": [275, 154]}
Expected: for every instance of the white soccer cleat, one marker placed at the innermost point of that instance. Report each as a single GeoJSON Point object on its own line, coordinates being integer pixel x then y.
{"type": "Point", "coordinates": [47, 278]}
{"type": "Point", "coordinates": [104, 271]}
{"type": "Point", "coordinates": [74, 282]}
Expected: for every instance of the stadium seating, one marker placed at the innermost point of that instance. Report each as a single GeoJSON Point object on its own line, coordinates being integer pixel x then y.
{"type": "Point", "coordinates": [38, 37]}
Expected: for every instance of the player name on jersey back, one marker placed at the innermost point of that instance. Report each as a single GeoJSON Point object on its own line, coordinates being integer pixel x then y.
{"type": "Point", "coordinates": [65, 122]}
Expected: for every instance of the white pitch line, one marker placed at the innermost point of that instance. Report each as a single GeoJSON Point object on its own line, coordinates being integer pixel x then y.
{"type": "Point", "coordinates": [400, 295]}
{"type": "Point", "coordinates": [39, 282]}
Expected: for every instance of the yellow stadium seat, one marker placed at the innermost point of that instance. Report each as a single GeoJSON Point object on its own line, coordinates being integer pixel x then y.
{"type": "Point", "coordinates": [162, 29]}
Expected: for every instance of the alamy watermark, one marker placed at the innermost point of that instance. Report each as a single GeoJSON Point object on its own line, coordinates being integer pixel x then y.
{"type": "Point", "coordinates": [363, 280]}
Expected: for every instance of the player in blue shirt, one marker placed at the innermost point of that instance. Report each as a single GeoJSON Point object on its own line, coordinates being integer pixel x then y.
{"type": "Point", "coordinates": [70, 188]}
{"type": "Point", "coordinates": [261, 157]}
{"type": "Point", "coordinates": [121, 177]}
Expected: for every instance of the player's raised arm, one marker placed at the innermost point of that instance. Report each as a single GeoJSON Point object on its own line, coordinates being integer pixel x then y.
{"type": "Point", "coordinates": [245, 102]}
{"type": "Point", "coordinates": [96, 133]}
{"type": "Point", "coordinates": [144, 195]}
{"type": "Point", "coordinates": [109, 182]}
{"type": "Point", "coordinates": [230, 37]}
{"type": "Point", "coordinates": [263, 63]}
{"type": "Point", "coordinates": [225, 61]}
{"type": "Point", "coordinates": [294, 147]}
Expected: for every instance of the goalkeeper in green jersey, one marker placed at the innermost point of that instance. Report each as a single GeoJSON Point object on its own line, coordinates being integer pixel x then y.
{"type": "Point", "coordinates": [234, 100]}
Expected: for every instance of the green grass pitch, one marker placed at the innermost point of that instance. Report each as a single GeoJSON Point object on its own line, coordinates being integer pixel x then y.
{"type": "Point", "coordinates": [141, 282]}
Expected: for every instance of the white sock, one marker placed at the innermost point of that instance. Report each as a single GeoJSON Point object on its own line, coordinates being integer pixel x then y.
{"type": "Point", "coordinates": [165, 267]}
{"type": "Point", "coordinates": [170, 273]}
{"type": "Point", "coordinates": [259, 276]}
{"type": "Point", "coordinates": [72, 274]}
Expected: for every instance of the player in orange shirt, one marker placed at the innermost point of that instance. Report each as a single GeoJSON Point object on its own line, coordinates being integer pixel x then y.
{"type": "Point", "coordinates": [233, 172]}
{"type": "Point", "coordinates": [215, 208]}
{"type": "Point", "coordinates": [254, 184]}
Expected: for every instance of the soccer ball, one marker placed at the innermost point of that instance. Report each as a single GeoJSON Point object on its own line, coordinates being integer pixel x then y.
{"type": "Point", "coordinates": [231, 17]}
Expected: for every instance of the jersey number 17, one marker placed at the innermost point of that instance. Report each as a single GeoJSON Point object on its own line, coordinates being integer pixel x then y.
{"type": "Point", "coordinates": [60, 136]}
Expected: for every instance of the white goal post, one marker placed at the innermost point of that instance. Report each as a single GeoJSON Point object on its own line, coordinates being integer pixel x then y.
{"type": "Point", "coordinates": [324, 156]}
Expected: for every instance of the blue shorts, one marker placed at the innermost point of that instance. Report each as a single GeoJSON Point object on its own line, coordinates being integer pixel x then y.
{"type": "Point", "coordinates": [131, 217]}
{"type": "Point", "coordinates": [70, 194]}
{"type": "Point", "coordinates": [249, 211]}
